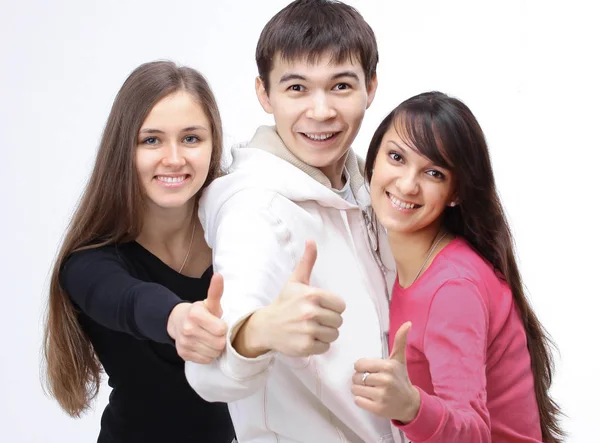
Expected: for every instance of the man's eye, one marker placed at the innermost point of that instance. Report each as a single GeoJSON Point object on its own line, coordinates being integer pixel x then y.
{"type": "Point", "coordinates": [341, 86]}
{"type": "Point", "coordinates": [297, 88]}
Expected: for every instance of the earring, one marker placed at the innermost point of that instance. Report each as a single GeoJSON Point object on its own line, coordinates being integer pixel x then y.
{"type": "Point", "coordinates": [452, 204]}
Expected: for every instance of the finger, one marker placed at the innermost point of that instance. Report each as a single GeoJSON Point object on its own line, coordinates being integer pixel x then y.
{"type": "Point", "coordinates": [197, 354]}
{"type": "Point", "coordinates": [305, 266]}
{"type": "Point", "coordinates": [330, 319]}
{"type": "Point", "coordinates": [367, 404]}
{"type": "Point", "coordinates": [215, 292]}
{"type": "Point", "coordinates": [196, 357]}
{"type": "Point", "coordinates": [357, 378]}
{"type": "Point", "coordinates": [205, 338]}
{"type": "Point", "coordinates": [200, 318]}
{"type": "Point", "coordinates": [373, 365]}
{"type": "Point", "coordinates": [331, 301]}
{"type": "Point", "coordinates": [373, 379]}
{"type": "Point", "coordinates": [215, 326]}
{"type": "Point", "coordinates": [367, 392]}
{"type": "Point", "coordinates": [202, 349]}
{"type": "Point", "coordinates": [399, 350]}
{"type": "Point", "coordinates": [326, 334]}
{"type": "Point", "coordinates": [319, 347]}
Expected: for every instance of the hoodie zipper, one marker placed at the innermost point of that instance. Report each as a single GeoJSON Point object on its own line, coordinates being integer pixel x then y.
{"type": "Point", "coordinates": [382, 334]}
{"type": "Point", "coordinates": [374, 246]}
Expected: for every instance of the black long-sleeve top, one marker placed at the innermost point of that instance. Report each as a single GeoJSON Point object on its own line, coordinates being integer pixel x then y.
{"type": "Point", "coordinates": [124, 295]}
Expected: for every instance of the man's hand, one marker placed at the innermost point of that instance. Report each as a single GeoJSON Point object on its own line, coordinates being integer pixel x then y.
{"type": "Point", "coordinates": [302, 321]}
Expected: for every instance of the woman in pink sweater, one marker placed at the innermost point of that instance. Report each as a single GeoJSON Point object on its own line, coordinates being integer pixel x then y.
{"type": "Point", "coordinates": [477, 364]}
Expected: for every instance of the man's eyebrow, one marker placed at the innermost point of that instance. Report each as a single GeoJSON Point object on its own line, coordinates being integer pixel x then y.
{"type": "Point", "coordinates": [287, 77]}
{"type": "Point", "coordinates": [346, 74]}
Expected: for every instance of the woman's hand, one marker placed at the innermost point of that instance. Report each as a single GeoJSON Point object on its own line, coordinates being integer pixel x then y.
{"type": "Point", "coordinates": [197, 328]}
{"type": "Point", "coordinates": [383, 386]}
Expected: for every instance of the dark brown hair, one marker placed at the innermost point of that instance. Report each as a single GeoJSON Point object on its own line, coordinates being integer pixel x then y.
{"type": "Point", "coordinates": [310, 28]}
{"type": "Point", "coordinates": [111, 211]}
{"type": "Point", "coordinates": [445, 130]}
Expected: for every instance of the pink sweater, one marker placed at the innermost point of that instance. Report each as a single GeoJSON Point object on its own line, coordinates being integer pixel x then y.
{"type": "Point", "coordinates": [466, 353]}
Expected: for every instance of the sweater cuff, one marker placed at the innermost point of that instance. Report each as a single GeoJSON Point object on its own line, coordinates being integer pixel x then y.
{"type": "Point", "coordinates": [428, 421]}
{"type": "Point", "coordinates": [236, 365]}
{"type": "Point", "coordinates": [152, 315]}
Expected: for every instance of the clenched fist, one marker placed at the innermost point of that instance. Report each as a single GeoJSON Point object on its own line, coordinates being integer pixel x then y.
{"type": "Point", "coordinates": [302, 321]}
{"type": "Point", "coordinates": [197, 328]}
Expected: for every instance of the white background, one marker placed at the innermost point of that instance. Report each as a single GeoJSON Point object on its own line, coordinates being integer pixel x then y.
{"type": "Point", "coordinates": [528, 70]}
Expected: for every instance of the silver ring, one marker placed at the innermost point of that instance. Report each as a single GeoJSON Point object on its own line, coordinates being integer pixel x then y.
{"type": "Point", "coordinates": [364, 378]}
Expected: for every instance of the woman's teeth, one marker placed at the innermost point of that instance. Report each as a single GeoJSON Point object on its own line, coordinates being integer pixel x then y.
{"type": "Point", "coordinates": [400, 203]}
{"type": "Point", "coordinates": [166, 179]}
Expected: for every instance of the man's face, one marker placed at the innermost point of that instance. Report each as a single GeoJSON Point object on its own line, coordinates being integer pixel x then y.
{"type": "Point", "coordinates": [318, 107]}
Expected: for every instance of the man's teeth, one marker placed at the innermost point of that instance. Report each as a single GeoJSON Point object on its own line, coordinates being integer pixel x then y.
{"type": "Point", "coordinates": [166, 179]}
{"type": "Point", "coordinates": [400, 203]}
{"type": "Point", "coordinates": [319, 137]}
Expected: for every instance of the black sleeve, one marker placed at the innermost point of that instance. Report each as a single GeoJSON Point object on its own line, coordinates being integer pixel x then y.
{"type": "Point", "coordinates": [99, 283]}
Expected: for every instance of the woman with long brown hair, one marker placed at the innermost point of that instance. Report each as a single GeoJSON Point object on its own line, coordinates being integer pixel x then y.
{"type": "Point", "coordinates": [477, 365]}
{"type": "Point", "coordinates": [132, 290]}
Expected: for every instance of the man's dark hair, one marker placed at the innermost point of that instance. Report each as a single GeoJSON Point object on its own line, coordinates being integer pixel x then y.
{"type": "Point", "coordinates": [310, 28]}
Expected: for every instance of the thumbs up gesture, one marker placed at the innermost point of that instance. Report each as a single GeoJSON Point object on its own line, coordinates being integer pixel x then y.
{"type": "Point", "coordinates": [197, 328]}
{"type": "Point", "coordinates": [303, 320]}
{"type": "Point", "coordinates": [382, 386]}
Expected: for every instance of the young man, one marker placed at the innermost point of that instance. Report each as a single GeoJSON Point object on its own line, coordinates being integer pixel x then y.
{"type": "Point", "coordinates": [287, 368]}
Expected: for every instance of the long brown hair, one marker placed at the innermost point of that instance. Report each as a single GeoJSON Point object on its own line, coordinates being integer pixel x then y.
{"type": "Point", "coordinates": [445, 130]}
{"type": "Point", "coordinates": [111, 211]}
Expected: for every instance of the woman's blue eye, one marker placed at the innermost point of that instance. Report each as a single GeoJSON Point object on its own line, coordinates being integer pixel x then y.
{"type": "Point", "coordinates": [151, 141]}
{"type": "Point", "coordinates": [191, 139]}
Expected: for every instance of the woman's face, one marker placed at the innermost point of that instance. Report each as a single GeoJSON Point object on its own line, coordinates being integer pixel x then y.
{"type": "Point", "coordinates": [173, 151]}
{"type": "Point", "coordinates": [408, 192]}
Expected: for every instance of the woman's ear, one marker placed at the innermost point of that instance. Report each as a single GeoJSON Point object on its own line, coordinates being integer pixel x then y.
{"type": "Point", "coordinates": [454, 201]}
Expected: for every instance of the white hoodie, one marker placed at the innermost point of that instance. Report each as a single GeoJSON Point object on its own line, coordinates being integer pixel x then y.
{"type": "Point", "coordinates": [256, 220]}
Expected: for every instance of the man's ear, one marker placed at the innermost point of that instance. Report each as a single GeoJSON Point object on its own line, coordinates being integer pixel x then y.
{"type": "Point", "coordinates": [263, 95]}
{"type": "Point", "coordinates": [371, 89]}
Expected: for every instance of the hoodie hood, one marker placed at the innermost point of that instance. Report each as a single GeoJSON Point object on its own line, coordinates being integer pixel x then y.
{"type": "Point", "coordinates": [267, 139]}
{"type": "Point", "coordinates": [266, 163]}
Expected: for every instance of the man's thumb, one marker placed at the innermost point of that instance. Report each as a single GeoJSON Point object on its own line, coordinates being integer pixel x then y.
{"type": "Point", "coordinates": [399, 350]}
{"type": "Point", "coordinates": [305, 266]}
{"type": "Point", "coordinates": [215, 292]}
